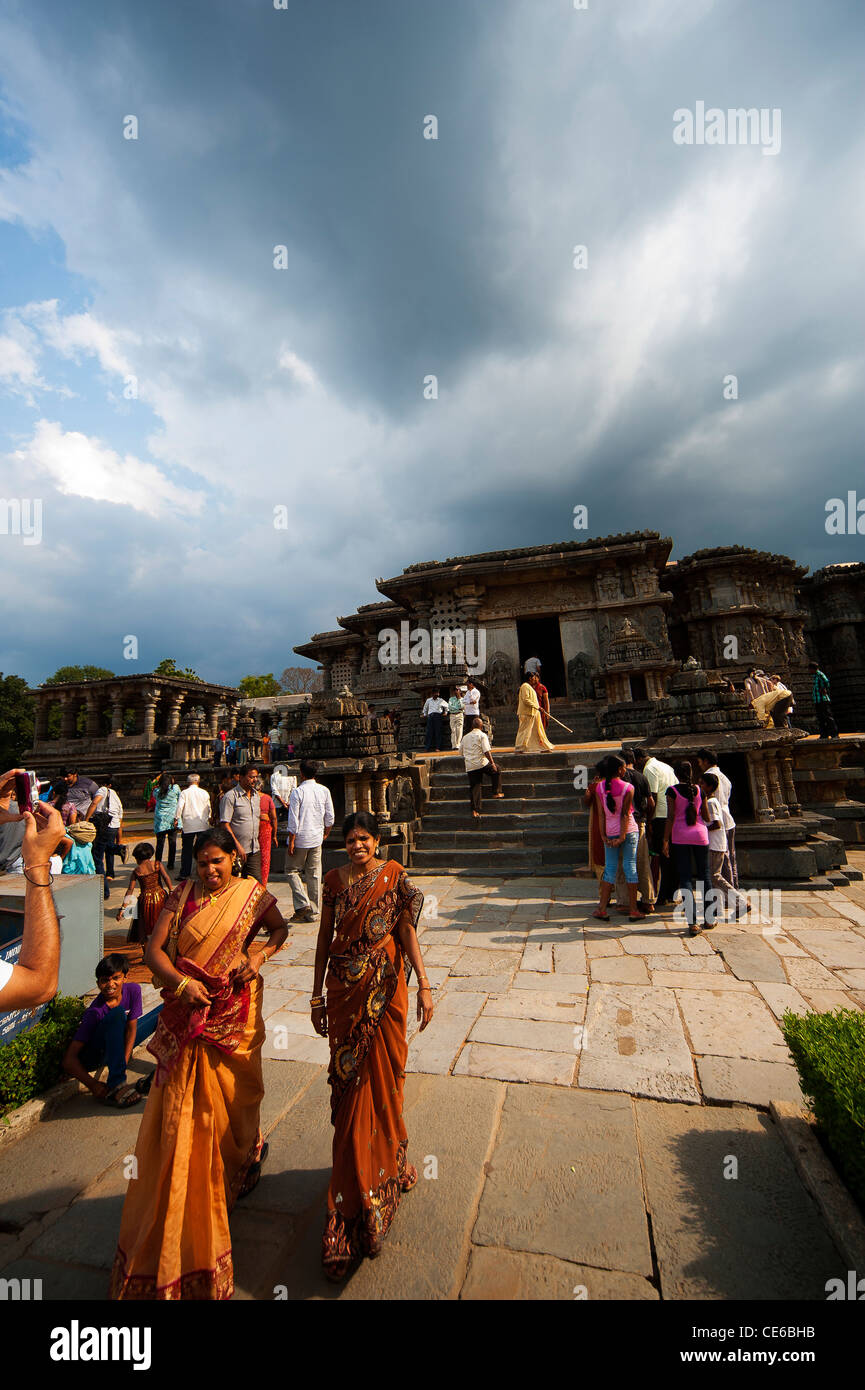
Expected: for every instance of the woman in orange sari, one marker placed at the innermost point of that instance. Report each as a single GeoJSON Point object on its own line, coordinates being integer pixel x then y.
{"type": "Point", "coordinates": [199, 1146]}
{"type": "Point", "coordinates": [368, 943]}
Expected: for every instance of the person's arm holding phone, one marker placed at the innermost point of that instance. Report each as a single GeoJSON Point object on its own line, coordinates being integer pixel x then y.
{"type": "Point", "coordinates": [33, 979]}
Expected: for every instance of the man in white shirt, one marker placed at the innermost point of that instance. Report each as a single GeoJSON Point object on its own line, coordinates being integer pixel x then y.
{"type": "Point", "coordinates": [471, 704]}
{"type": "Point", "coordinates": [659, 776]}
{"type": "Point", "coordinates": [532, 667]}
{"type": "Point", "coordinates": [107, 840]}
{"type": "Point", "coordinates": [478, 756]}
{"type": "Point", "coordinates": [193, 812]}
{"type": "Point", "coordinates": [434, 712]}
{"type": "Point", "coordinates": [310, 818]}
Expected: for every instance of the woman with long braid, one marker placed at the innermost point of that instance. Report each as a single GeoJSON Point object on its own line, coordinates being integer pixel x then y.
{"type": "Point", "coordinates": [688, 833]}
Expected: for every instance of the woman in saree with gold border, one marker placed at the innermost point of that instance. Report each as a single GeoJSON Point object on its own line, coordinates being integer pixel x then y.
{"type": "Point", "coordinates": [199, 1146]}
{"type": "Point", "coordinates": [368, 943]}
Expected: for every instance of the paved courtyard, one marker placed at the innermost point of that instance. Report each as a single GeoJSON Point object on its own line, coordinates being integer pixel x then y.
{"type": "Point", "coordinates": [587, 1111]}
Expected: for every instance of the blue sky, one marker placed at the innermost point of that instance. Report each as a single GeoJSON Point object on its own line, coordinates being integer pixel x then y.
{"type": "Point", "coordinates": [256, 387]}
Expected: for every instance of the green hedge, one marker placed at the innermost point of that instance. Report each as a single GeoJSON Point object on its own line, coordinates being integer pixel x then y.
{"type": "Point", "coordinates": [30, 1063]}
{"type": "Point", "coordinates": [829, 1052]}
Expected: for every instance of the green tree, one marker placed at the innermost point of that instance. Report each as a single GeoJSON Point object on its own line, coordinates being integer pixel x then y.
{"type": "Point", "coordinates": [169, 667]}
{"type": "Point", "coordinates": [255, 686]}
{"type": "Point", "coordinates": [78, 673]}
{"type": "Point", "coordinates": [16, 720]}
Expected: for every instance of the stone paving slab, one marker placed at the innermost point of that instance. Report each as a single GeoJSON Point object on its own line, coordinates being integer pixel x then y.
{"type": "Point", "coordinates": [782, 997]}
{"type": "Point", "coordinates": [436, 1049]}
{"type": "Point", "coordinates": [564, 1181]}
{"type": "Point", "coordinates": [635, 1042]}
{"type": "Point", "coordinates": [524, 1032]}
{"type": "Point", "coordinates": [537, 956]}
{"type": "Point", "coordinates": [620, 970]}
{"type": "Point", "coordinates": [827, 1000]}
{"type": "Point", "coordinates": [732, 1025]}
{"type": "Point", "coordinates": [756, 1236]}
{"type": "Point", "coordinates": [506, 1063]}
{"type": "Point", "coordinates": [525, 1003]}
{"type": "Point", "coordinates": [746, 1082]}
{"type": "Point", "coordinates": [489, 962]}
{"type": "Point", "coordinates": [513, 1275]}
{"type": "Point", "coordinates": [700, 965]}
{"type": "Point", "coordinates": [569, 957]}
{"type": "Point", "coordinates": [699, 979]}
{"type": "Point", "coordinates": [806, 975]}
{"type": "Point", "coordinates": [835, 949]}
{"type": "Point", "coordinates": [749, 957]}
{"type": "Point", "coordinates": [660, 943]}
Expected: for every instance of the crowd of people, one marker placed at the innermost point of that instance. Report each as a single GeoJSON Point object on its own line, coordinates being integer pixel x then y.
{"type": "Point", "coordinates": [199, 1148]}
{"type": "Point", "coordinates": [656, 829]}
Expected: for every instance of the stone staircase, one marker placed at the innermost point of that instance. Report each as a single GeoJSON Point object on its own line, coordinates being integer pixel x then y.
{"type": "Point", "coordinates": [583, 722]}
{"type": "Point", "coordinates": [540, 827]}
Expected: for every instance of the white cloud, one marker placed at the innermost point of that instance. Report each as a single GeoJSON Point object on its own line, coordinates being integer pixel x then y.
{"type": "Point", "coordinates": [80, 466]}
{"type": "Point", "coordinates": [301, 371]}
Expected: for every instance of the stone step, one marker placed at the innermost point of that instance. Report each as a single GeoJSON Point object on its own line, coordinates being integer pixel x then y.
{"type": "Point", "coordinates": [498, 835]}
{"type": "Point", "coordinates": [560, 794]}
{"type": "Point", "coordinates": [460, 817]}
{"type": "Point", "coordinates": [505, 859]}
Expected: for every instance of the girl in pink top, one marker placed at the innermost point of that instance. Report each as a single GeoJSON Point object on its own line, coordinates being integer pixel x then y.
{"type": "Point", "coordinates": [687, 831]}
{"type": "Point", "coordinates": [621, 833]}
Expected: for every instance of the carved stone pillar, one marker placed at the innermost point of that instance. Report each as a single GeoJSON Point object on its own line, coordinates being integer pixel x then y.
{"type": "Point", "coordinates": [327, 672]}
{"type": "Point", "coordinates": [779, 804]}
{"type": "Point", "coordinates": [149, 697]}
{"type": "Point", "coordinates": [380, 784]}
{"type": "Point", "coordinates": [175, 705]}
{"type": "Point", "coordinates": [364, 792]}
{"type": "Point", "coordinates": [93, 728]}
{"type": "Point", "coordinates": [212, 708]}
{"type": "Point", "coordinates": [116, 698]}
{"type": "Point", "coordinates": [231, 708]}
{"type": "Point", "coordinates": [68, 714]}
{"type": "Point", "coordinates": [786, 761]}
{"type": "Point", "coordinates": [759, 787]}
{"type": "Point", "coordinates": [350, 793]}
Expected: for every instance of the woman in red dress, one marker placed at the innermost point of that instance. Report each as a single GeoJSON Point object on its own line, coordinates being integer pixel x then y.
{"type": "Point", "coordinates": [266, 834]}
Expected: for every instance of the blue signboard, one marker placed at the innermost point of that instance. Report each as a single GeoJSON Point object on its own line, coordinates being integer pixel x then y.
{"type": "Point", "coordinates": [19, 1020]}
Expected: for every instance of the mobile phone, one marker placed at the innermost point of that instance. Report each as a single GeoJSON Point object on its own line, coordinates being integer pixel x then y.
{"type": "Point", "coordinates": [26, 790]}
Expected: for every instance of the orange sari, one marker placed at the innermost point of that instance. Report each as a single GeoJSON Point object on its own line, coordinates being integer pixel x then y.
{"type": "Point", "coordinates": [199, 1132]}
{"type": "Point", "coordinates": [367, 1008]}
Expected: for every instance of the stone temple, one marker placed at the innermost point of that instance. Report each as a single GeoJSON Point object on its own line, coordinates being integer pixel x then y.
{"type": "Point", "coordinates": [611, 620]}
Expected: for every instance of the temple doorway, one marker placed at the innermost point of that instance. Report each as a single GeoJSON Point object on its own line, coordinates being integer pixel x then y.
{"type": "Point", "coordinates": [542, 638]}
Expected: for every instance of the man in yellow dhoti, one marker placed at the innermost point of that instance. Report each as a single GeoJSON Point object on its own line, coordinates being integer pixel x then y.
{"type": "Point", "coordinates": [530, 734]}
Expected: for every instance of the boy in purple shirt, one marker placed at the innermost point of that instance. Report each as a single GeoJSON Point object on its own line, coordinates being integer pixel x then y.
{"type": "Point", "coordinates": [106, 1036]}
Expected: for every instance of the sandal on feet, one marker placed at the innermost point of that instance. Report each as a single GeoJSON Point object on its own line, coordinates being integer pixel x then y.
{"type": "Point", "coordinates": [601, 916]}
{"type": "Point", "coordinates": [252, 1177]}
{"type": "Point", "coordinates": [636, 916]}
{"type": "Point", "coordinates": [122, 1097]}
{"type": "Point", "coordinates": [143, 1085]}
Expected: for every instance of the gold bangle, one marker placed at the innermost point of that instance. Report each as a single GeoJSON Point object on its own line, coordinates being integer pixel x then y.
{"type": "Point", "coordinates": [181, 987]}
